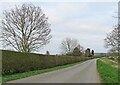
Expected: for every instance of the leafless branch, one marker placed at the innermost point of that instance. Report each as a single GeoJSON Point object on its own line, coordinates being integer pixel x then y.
{"type": "Point", "coordinates": [26, 29]}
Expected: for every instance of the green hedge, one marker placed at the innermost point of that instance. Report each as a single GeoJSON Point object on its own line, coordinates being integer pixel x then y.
{"type": "Point", "coordinates": [17, 62]}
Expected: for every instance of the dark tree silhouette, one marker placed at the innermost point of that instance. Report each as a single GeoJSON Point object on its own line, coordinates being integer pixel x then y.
{"type": "Point", "coordinates": [92, 52]}
{"type": "Point", "coordinates": [76, 52]}
{"type": "Point", "coordinates": [25, 28]}
{"type": "Point", "coordinates": [47, 53]}
{"type": "Point", "coordinates": [87, 52]}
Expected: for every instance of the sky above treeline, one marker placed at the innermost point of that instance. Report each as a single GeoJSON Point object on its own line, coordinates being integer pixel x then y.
{"type": "Point", "coordinates": [88, 22]}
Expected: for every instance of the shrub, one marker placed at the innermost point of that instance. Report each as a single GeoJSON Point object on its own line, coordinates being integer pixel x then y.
{"type": "Point", "coordinates": [76, 52]}
{"type": "Point", "coordinates": [17, 62]}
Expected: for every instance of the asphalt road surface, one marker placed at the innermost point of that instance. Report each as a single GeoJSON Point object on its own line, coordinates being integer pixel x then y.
{"type": "Point", "coordinates": [85, 72]}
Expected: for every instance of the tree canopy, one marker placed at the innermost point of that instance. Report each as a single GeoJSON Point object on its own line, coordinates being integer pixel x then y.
{"type": "Point", "coordinates": [25, 28]}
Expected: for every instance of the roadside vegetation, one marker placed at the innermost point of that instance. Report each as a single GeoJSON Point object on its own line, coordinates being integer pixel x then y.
{"type": "Point", "coordinates": [0, 80]}
{"type": "Point", "coordinates": [108, 71]}
{"type": "Point", "coordinates": [31, 73]}
{"type": "Point", "coordinates": [18, 65]}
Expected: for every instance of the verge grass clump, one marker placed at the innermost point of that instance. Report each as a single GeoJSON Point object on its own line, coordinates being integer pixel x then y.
{"type": "Point", "coordinates": [108, 73]}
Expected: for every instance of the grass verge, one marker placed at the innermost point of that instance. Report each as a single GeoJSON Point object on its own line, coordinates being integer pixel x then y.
{"type": "Point", "coordinates": [108, 73]}
{"type": "Point", "coordinates": [31, 73]}
{"type": "Point", "coordinates": [0, 80]}
{"type": "Point", "coordinates": [111, 62]}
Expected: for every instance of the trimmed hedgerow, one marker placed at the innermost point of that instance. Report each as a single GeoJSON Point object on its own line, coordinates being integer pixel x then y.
{"type": "Point", "coordinates": [18, 62]}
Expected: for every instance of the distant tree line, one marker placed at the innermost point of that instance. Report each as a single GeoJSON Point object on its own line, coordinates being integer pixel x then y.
{"type": "Point", "coordinates": [71, 47]}
{"type": "Point", "coordinates": [89, 53]}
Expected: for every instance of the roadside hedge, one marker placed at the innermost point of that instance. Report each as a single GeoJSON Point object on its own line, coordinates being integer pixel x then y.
{"type": "Point", "coordinates": [18, 62]}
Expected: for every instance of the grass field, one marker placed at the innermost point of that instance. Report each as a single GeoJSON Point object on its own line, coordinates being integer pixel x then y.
{"type": "Point", "coordinates": [31, 73]}
{"type": "Point", "coordinates": [0, 79]}
{"type": "Point", "coordinates": [108, 71]}
{"type": "Point", "coordinates": [111, 62]}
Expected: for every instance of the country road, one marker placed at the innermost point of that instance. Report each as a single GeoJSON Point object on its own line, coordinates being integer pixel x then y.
{"type": "Point", "coordinates": [85, 72]}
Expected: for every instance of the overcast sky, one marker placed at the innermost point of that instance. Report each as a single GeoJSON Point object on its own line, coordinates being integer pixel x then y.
{"type": "Point", "coordinates": [89, 22]}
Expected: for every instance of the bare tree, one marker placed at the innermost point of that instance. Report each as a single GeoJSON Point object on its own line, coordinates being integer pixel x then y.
{"type": "Point", "coordinates": [25, 28]}
{"type": "Point", "coordinates": [68, 45]}
{"type": "Point", "coordinates": [112, 40]}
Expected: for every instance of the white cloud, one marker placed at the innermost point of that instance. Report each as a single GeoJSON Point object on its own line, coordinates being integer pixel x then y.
{"type": "Point", "coordinates": [89, 27]}
{"type": "Point", "coordinates": [61, 11]}
{"type": "Point", "coordinates": [53, 17]}
{"type": "Point", "coordinates": [59, 0]}
{"type": "Point", "coordinates": [71, 8]}
{"type": "Point", "coordinates": [61, 15]}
